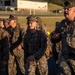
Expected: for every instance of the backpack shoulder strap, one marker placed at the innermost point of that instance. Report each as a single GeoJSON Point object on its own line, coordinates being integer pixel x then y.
{"type": "Point", "coordinates": [39, 35]}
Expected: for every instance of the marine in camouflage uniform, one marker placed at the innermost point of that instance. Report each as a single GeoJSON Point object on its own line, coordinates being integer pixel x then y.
{"type": "Point", "coordinates": [4, 51]}
{"type": "Point", "coordinates": [6, 23]}
{"type": "Point", "coordinates": [66, 29]}
{"type": "Point", "coordinates": [16, 46]}
{"type": "Point", "coordinates": [42, 27]}
{"type": "Point", "coordinates": [34, 48]}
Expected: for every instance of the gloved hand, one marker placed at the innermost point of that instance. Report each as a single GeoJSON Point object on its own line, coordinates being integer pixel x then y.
{"type": "Point", "coordinates": [55, 37]}
{"type": "Point", "coordinates": [31, 58]}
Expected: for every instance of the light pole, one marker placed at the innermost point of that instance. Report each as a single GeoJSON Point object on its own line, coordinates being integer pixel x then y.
{"type": "Point", "coordinates": [34, 8]}
{"type": "Point", "coordinates": [30, 12]}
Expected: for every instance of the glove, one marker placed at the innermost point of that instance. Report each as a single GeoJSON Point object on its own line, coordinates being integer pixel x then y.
{"type": "Point", "coordinates": [55, 37]}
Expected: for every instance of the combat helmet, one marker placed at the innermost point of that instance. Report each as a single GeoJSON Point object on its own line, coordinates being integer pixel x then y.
{"type": "Point", "coordinates": [69, 4]}
{"type": "Point", "coordinates": [31, 18]}
{"type": "Point", "coordinates": [12, 17]}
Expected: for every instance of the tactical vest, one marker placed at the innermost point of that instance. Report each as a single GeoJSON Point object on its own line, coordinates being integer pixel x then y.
{"type": "Point", "coordinates": [71, 35]}
{"type": "Point", "coordinates": [38, 41]}
{"type": "Point", "coordinates": [15, 34]}
{"type": "Point", "coordinates": [15, 38]}
{"type": "Point", "coordinates": [32, 42]}
{"type": "Point", "coordinates": [68, 36]}
{"type": "Point", "coordinates": [69, 32]}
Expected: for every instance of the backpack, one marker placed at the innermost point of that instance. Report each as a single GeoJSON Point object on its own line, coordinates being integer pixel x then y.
{"type": "Point", "coordinates": [48, 49]}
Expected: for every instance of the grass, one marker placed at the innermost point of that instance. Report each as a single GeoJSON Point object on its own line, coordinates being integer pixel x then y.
{"type": "Point", "coordinates": [50, 21]}
{"type": "Point", "coordinates": [54, 7]}
{"type": "Point", "coordinates": [51, 7]}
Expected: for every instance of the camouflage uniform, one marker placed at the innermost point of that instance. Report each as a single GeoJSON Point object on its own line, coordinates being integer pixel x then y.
{"type": "Point", "coordinates": [36, 47]}
{"type": "Point", "coordinates": [66, 28]}
{"type": "Point", "coordinates": [66, 58]}
{"type": "Point", "coordinates": [4, 52]}
{"type": "Point", "coordinates": [41, 26]}
{"type": "Point", "coordinates": [16, 56]}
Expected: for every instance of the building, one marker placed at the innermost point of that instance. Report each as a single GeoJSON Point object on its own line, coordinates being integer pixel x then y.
{"type": "Point", "coordinates": [25, 4]}
{"type": "Point", "coordinates": [8, 2]}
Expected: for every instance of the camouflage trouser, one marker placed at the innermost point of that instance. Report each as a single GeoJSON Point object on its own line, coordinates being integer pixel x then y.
{"type": "Point", "coordinates": [41, 67]}
{"type": "Point", "coordinates": [18, 55]}
{"type": "Point", "coordinates": [67, 67]}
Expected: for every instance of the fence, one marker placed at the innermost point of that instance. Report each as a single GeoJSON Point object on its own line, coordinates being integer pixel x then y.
{"type": "Point", "coordinates": [33, 11]}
